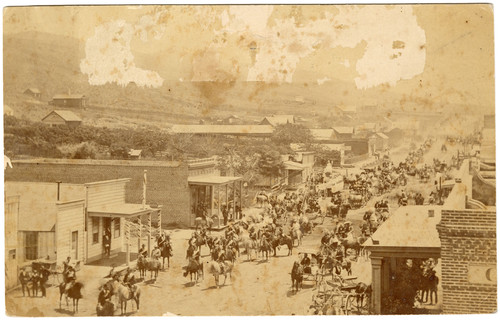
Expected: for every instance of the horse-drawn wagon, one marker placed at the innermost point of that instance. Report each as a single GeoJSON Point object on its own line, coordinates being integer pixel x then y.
{"type": "Point", "coordinates": [341, 296]}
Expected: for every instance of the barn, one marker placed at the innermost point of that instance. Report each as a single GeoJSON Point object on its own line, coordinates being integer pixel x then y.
{"type": "Point", "coordinates": [69, 100]}
{"type": "Point", "coordinates": [61, 117]}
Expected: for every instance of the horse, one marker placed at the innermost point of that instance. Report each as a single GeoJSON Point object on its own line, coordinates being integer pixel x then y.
{"type": "Point", "coordinates": [296, 234]}
{"type": "Point", "coordinates": [125, 294]}
{"type": "Point", "coordinates": [166, 252]}
{"type": "Point", "coordinates": [152, 265]}
{"type": "Point", "coordinates": [362, 290]}
{"type": "Point", "coordinates": [218, 269]}
{"type": "Point", "coordinates": [108, 309]}
{"type": "Point", "coordinates": [265, 247]}
{"type": "Point", "coordinates": [351, 243]}
{"type": "Point", "coordinates": [74, 292]}
{"type": "Point", "coordinates": [194, 268]}
{"type": "Point", "coordinates": [250, 246]}
{"type": "Point", "coordinates": [280, 241]}
{"type": "Point", "coordinates": [297, 276]}
{"type": "Point", "coordinates": [141, 266]}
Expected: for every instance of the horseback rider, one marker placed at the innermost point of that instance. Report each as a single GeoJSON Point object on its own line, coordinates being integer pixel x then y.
{"type": "Point", "coordinates": [66, 264]}
{"type": "Point", "coordinates": [104, 296]}
{"type": "Point", "coordinates": [220, 260]}
{"type": "Point", "coordinates": [161, 240]}
{"type": "Point", "coordinates": [156, 253]}
{"type": "Point", "coordinates": [69, 278]}
{"type": "Point", "coordinates": [306, 263]}
{"type": "Point", "coordinates": [325, 239]}
{"type": "Point", "coordinates": [129, 281]}
{"type": "Point", "coordinates": [143, 251]}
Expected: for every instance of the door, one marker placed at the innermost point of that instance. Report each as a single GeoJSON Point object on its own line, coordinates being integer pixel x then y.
{"type": "Point", "coordinates": [106, 238]}
{"type": "Point", "coordinates": [74, 244]}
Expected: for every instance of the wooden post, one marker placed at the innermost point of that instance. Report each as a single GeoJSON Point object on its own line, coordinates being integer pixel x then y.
{"type": "Point", "coordinates": [234, 200]}
{"type": "Point", "coordinates": [218, 206]}
{"type": "Point", "coordinates": [127, 241]}
{"type": "Point", "coordinates": [149, 233]}
{"type": "Point", "coordinates": [159, 221]}
{"type": "Point", "coordinates": [377, 284]}
{"type": "Point", "coordinates": [241, 196]}
{"type": "Point", "coordinates": [211, 201]}
{"type": "Point", "coordinates": [140, 234]}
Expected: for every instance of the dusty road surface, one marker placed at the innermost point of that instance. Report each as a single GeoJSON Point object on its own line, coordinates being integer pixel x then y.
{"type": "Point", "coordinates": [255, 288]}
{"type": "Point", "coordinates": [258, 287]}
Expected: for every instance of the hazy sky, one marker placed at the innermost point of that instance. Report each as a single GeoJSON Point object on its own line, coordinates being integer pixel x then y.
{"type": "Point", "coordinates": [440, 52]}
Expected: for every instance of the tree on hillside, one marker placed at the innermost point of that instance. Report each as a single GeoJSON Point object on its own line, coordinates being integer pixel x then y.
{"type": "Point", "coordinates": [285, 134]}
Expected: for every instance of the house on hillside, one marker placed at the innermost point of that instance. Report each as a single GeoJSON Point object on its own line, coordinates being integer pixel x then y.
{"type": "Point", "coordinates": [33, 92]}
{"type": "Point", "coordinates": [61, 117]}
{"type": "Point", "coordinates": [349, 110]}
{"type": "Point", "coordinates": [69, 100]}
{"type": "Point", "coordinates": [275, 120]}
{"type": "Point", "coordinates": [134, 154]}
{"type": "Point", "coordinates": [232, 119]}
{"type": "Point", "coordinates": [7, 110]}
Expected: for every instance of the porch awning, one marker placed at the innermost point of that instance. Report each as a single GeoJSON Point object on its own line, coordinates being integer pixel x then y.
{"type": "Point", "coordinates": [126, 210]}
{"type": "Point", "coordinates": [212, 180]}
{"type": "Point", "coordinates": [290, 165]}
{"type": "Point", "coordinates": [410, 231]}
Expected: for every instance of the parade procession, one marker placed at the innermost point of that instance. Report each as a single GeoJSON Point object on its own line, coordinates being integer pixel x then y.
{"type": "Point", "coordinates": [183, 189]}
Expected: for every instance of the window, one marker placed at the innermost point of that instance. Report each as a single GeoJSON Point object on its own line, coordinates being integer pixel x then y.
{"type": "Point", "coordinates": [74, 244]}
{"type": "Point", "coordinates": [95, 230]}
{"type": "Point", "coordinates": [116, 226]}
{"type": "Point", "coordinates": [31, 245]}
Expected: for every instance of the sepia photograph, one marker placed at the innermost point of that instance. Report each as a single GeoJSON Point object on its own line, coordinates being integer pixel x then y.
{"type": "Point", "coordinates": [249, 160]}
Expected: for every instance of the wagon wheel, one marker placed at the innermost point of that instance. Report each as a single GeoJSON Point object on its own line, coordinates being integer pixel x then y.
{"type": "Point", "coordinates": [349, 304]}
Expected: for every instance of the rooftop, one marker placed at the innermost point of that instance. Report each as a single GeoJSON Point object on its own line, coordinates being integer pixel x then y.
{"type": "Point", "coordinates": [222, 129]}
{"type": "Point", "coordinates": [344, 129]}
{"type": "Point", "coordinates": [68, 116]}
{"type": "Point", "coordinates": [68, 96]}
{"type": "Point", "coordinates": [409, 226]}
{"type": "Point", "coordinates": [279, 119]}
{"type": "Point", "coordinates": [322, 134]}
{"type": "Point", "coordinates": [211, 180]}
{"type": "Point", "coordinates": [134, 163]}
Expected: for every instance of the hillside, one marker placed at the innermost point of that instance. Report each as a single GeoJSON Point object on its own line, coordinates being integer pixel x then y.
{"type": "Point", "coordinates": [51, 64]}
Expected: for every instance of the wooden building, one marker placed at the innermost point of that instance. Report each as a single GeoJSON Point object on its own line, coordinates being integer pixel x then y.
{"type": "Point", "coordinates": [61, 117]}
{"type": "Point", "coordinates": [69, 100]}
{"type": "Point", "coordinates": [275, 120]}
{"type": "Point", "coordinates": [33, 92]}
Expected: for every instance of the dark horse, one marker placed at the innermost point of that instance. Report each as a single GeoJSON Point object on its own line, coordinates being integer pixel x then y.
{"type": "Point", "coordinates": [74, 292]}
{"type": "Point", "coordinates": [166, 252]}
{"type": "Point", "coordinates": [194, 268]}
{"type": "Point", "coordinates": [297, 276]}
{"type": "Point", "coordinates": [285, 240]}
{"type": "Point", "coordinates": [362, 291]}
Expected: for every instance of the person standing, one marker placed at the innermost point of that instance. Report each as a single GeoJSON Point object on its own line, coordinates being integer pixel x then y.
{"type": "Point", "coordinates": [35, 279]}
{"type": "Point", "coordinates": [24, 278]}
{"type": "Point", "coordinates": [44, 277]}
{"type": "Point", "coordinates": [106, 241]}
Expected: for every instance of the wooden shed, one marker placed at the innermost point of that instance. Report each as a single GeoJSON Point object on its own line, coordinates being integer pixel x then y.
{"type": "Point", "coordinates": [61, 117]}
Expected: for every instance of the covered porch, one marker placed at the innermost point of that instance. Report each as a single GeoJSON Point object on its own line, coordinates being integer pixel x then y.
{"type": "Point", "coordinates": [213, 195]}
{"type": "Point", "coordinates": [294, 173]}
{"type": "Point", "coordinates": [410, 233]}
{"type": "Point", "coordinates": [121, 224]}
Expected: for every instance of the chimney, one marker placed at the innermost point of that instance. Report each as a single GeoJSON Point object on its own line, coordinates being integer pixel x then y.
{"type": "Point", "coordinates": [431, 213]}
{"type": "Point", "coordinates": [58, 190]}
